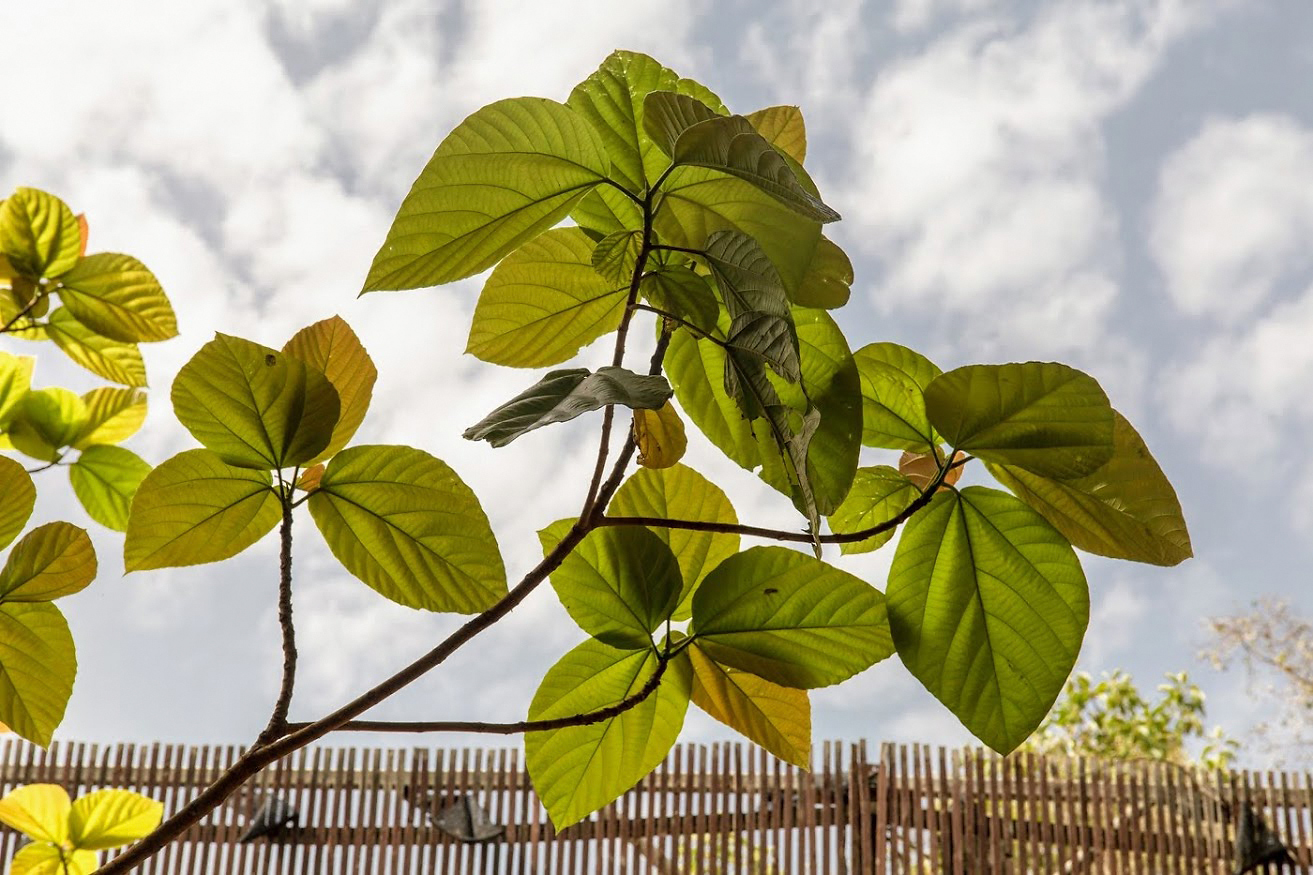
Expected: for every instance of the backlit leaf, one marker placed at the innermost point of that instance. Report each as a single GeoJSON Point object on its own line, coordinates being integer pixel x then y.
{"type": "Point", "coordinates": [790, 619]}
{"type": "Point", "coordinates": [878, 495]}
{"type": "Point", "coordinates": [894, 380]}
{"type": "Point", "coordinates": [196, 508]}
{"type": "Point", "coordinates": [616, 255]}
{"type": "Point", "coordinates": [405, 524]}
{"type": "Point", "coordinates": [118, 297]}
{"type": "Point", "coordinates": [114, 360]}
{"type": "Point", "coordinates": [544, 302]}
{"type": "Point", "coordinates": [310, 477]}
{"type": "Point", "coordinates": [254, 406]}
{"type": "Point", "coordinates": [619, 584]}
{"type": "Point", "coordinates": [1126, 509]}
{"type": "Point", "coordinates": [111, 818]}
{"type": "Point", "coordinates": [19, 497]}
{"type": "Point", "coordinates": [46, 421]}
{"type": "Point", "coordinates": [761, 324]}
{"type": "Point", "coordinates": [507, 173]}
{"type": "Point", "coordinates": [828, 280]}
{"type": "Point", "coordinates": [104, 479]}
{"type": "Point", "coordinates": [680, 291]}
{"type": "Point", "coordinates": [667, 114]}
{"type": "Point", "coordinates": [1044, 417]}
{"type": "Point", "coordinates": [38, 811]}
{"type": "Point", "coordinates": [660, 436]}
{"type": "Point", "coordinates": [113, 415]}
{"type": "Point", "coordinates": [578, 769]}
{"type": "Point", "coordinates": [331, 347]}
{"type": "Point", "coordinates": [50, 561]}
{"type": "Point", "coordinates": [988, 606]}
{"type": "Point", "coordinates": [15, 381]}
{"type": "Point", "coordinates": [923, 468]}
{"type": "Point", "coordinates": [37, 668]}
{"type": "Point", "coordinates": [562, 395]}
{"type": "Point", "coordinates": [775, 717]}
{"type": "Point", "coordinates": [39, 234]}
{"type": "Point", "coordinates": [21, 320]}
{"type": "Point", "coordinates": [783, 128]}
{"type": "Point", "coordinates": [44, 859]}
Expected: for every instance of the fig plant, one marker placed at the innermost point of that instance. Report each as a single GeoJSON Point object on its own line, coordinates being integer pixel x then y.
{"type": "Point", "coordinates": [642, 203]}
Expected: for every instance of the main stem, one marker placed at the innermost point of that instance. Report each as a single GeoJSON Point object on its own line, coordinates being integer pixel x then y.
{"type": "Point", "coordinates": [278, 719]}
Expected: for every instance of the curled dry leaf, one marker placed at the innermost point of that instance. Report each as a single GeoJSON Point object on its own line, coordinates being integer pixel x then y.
{"type": "Point", "coordinates": [660, 436]}
{"type": "Point", "coordinates": [921, 468]}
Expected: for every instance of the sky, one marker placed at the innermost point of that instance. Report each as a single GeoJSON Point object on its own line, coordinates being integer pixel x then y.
{"type": "Point", "coordinates": [1122, 185]}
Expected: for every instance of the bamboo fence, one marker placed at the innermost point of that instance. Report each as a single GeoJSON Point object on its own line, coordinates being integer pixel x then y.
{"type": "Point", "coordinates": [722, 808]}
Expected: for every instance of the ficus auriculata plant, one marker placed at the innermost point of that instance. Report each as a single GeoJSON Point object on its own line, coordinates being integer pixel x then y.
{"type": "Point", "coordinates": [643, 203]}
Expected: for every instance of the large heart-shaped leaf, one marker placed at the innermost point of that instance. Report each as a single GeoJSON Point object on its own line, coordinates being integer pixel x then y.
{"type": "Point", "coordinates": [255, 406]}
{"type": "Point", "coordinates": [1126, 509]}
{"type": "Point", "coordinates": [790, 619]}
{"type": "Point", "coordinates": [118, 297]}
{"type": "Point", "coordinates": [406, 525]}
{"type": "Point", "coordinates": [114, 360]}
{"type": "Point", "coordinates": [1045, 417]}
{"type": "Point", "coordinates": [37, 668]}
{"type": "Point", "coordinates": [578, 769]}
{"type": "Point", "coordinates": [775, 717]}
{"type": "Point", "coordinates": [506, 174]}
{"type": "Point", "coordinates": [894, 379]}
{"type": "Point", "coordinates": [104, 479]}
{"type": "Point", "coordinates": [544, 302]}
{"type": "Point", "coordinates": [196, 508]}
{"type": "Point", "coordinates": [19, 498]}
{"type": "Point", "coordinates": [878, 495]}
{"type": "Point", "coordinates": [562, 395]}
{"type": "Point", "coordinates": [332, 348]}
{"type": "Point", "coordinates": [50, 561]}
{"type": "Point", "coordinates": [988, 606]}
{"type": "Point", "coordinates": [110, 818]}
{"type": "Point", "coordinates": [39, 234]}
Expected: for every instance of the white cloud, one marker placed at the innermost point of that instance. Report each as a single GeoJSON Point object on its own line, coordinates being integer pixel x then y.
{"type": "Point", "coordinates": [910, 16]}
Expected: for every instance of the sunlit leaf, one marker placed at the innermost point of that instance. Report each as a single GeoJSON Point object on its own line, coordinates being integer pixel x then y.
{"type": "Point", "coordinates": [578, 769]}
{"type": "Point", "coordinates": [114, 360]}
{"type": "Point", "coordinates": [196, 508]}
{"type": "Point", "coordinates": [331, 347]}
{"type": "Point", "coordinates": [46, 421]}
{"type": "Point", "coordinates": [111, 818]}
{"type": "Point", "coordinates": [894, 380]}
{"type": "Point", "coordinates": [39, 234]}
{"type": "Point", "coordinates": [15, 381]}
{"type": "Point", "coordinates": [659, 435]}
{"type": "Point", "coordinates": [1044, 417]}
{"type": "Point", "coordinates": [562, 395]}
{"type": "Point", "coordinates": [988, 606]}
{"type": "Point", "coordinates": [878, 495]}
{"type": "Point", "coordinates": [405, 524]}
{"type": "Point", "coordinates": [1126, 509]}
{"type": "Point", "coordinates": [544, 302]}
{"type": "Point", "coordinates": [828, 280]}
{"type": "Point", "coordinates": [254, 406]}
{"type": "Point", "coordinates": [616, 255]}
{"type": "Point", "coordinates": [37, 668]}
{"type": "Point", "coordinates": [310, 477]}
{"type": "Point", "coordinates": [775, 717]}
{"type": "Point", "coordinates": [507, 173]}
{"type": "Point", "coordinates": [19, 497]}
{"type": "Point", "coordinates": [680, 291]}
{"type": "Point", "coordinates": [38, 811]}
{"type": "Point", "coordinates": [113, 415]}
{"type": "Point", "coordinates": [104, 479]}
{"type": "Point", "coordinates": [20, 319]}
{"type": "Point", "coordinates": [783, 128]}
{"type": "Point", "coordinates": [667, 114]}
{"type": "Point", "coordinates": [84, 232]}
{"type": "Point", "coordinates": [50, 561]}
{"type": "Point", "coordinates": [619, 584]}
{"type": "Point", "coordinates": [44, 859]}
{"type": "Point", "coordinates": [118, 297]}
{"type": "Point", "coordinates": [790, 619]}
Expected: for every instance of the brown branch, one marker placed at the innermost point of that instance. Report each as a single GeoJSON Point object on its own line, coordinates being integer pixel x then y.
{"type": "Point", "coordinates": [37, 295]}
{"type": "Point", "coordinates": [278, 719]}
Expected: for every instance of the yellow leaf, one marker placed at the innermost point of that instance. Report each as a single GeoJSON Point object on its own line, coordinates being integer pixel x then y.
{"type": "Point", "coordinates": [775, 717]}
{"type": "Point", "coordinates": [660, 436]}
{"type": "Point", "coordinates": [39, 811]}
{"type": "Point", "coordinates": [113, 415]}
{"type": "Point", "coordinates": [43, 859]}
{"type": "Point", "coordinates": [333, 348]}
{"type": "Point", "coordinates": [310, 478]}
{"type": "Point", "coordinates": [111, 818]}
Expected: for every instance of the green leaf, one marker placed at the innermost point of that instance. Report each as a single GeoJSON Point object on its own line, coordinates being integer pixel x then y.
{"type": "Point", "coordinates": [761, 324]}
{"type": "Point", "coordinates": [828, 281]}
{"type": "Point", "coordinates": [988, 606]}
{"type": "Point", "coordinates": [878, 495]}
{"type": "Point", "coordinates": [44, 859]}
{"type": "Point", "coordinates": [681, 493]}
{"type": "Point", "coordinates": [894, 380]}
{"type": "Point", "coordinates": [667, 114]}
{"type": "Point", "coordinates": [1126, 509]}
{"type": "Point", "coordinates": [678, 290]}
{"type": "Point", "coordinates": [775, 717]}
{"type": "Point", "coordinates": [578, 769]}
{"type": "Point", "coordinates": [19, 498]}
{"type": "Point", "coordinates": [117, 297]}
{"type": "Point", "coordinates": [15, 381]}
{"type": "Point", "coordinates": [406, 525]}
{"type": "Point", "coordinates": [113, 415]}
{"type": "Point", "coordinates": [507, 173]}
{"type": "Point", "coordinates": [783, 128]}
{"type": "Point", "coordinates": [1044, 417]}
{"type": "Point", "coordinates": [111, 818]}
{"type": "Point", "coordinates": [790, 619]}
{"type": "Point", "coordinates": [562, 395]}
{"type": "Point", "coordinates": [196, 508]}
{"type": "Point", "coordinates": [332, 348]}
{"type": "Point", "coordinates": [104, 479]}
{"type": "Point", "coordinates": [51, 561]}
{"type": "Point", "coordinates": [46, 421]}
{"type": "Point", "coordinates": [254, 406]}
{"type": "Point", "coordinates": [38, 233]}
{"type": "Point", "coordinates": [38, 811]}
{"type": "Point", "coordinates": [616, 255]}
{"type": "Point", "coordinates": [619, 584]}
{"type": "Point", "coordinates": [544, 302]}
{"type": "Point", "coordinates": [115, 361]}
{"type": "Point", "coordinates": [37, 667]}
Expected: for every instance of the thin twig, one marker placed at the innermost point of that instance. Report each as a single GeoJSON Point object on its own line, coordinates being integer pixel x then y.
{"type": "Point", "coordinates": [27, 308]}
